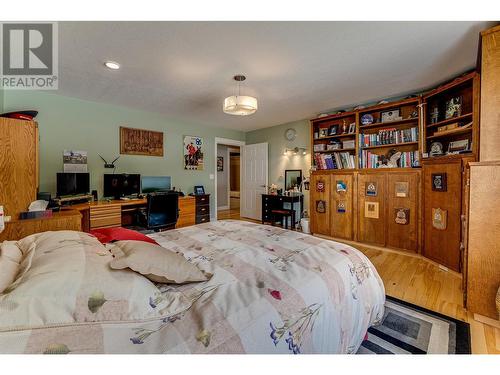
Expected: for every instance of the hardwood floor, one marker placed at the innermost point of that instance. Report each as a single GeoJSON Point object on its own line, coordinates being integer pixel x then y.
{"type": "Point", "coordinates": [422, 282]}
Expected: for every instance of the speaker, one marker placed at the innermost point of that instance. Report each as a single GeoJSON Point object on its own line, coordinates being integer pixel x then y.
{"type": "Point", "coordinates": [94, 194]}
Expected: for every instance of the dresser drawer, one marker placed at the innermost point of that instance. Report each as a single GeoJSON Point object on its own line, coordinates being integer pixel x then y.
{"type": "Point", "coordinates": [202, 200]}
{"type": "Point", "coordinates": [203, 210]}
{"type": "Point", "coordinates": [202, 219]}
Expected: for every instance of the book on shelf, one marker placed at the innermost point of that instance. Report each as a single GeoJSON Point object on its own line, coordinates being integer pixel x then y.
{"type": "Point", "coordinates": [349, 144]}
{"type": "Point", "coordinates": [335, 160]}
{"type": "Point", "coordinates": [407, 160]}
{"type": "Point", "coordinates": [389, 136]}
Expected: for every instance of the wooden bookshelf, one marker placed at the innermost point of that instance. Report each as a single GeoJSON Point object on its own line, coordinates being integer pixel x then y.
{"type": "Point", "coordinates": [466, 89]}
{"type": "Point", "coordinates": [334, 129]}
{"type": "Point", "coordinates": [410, 113]}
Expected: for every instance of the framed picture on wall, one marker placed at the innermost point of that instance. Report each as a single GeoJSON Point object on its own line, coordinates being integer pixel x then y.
{"type": "Point", "coordinates": [193, 153]}
{"type": "Point", "coordinates": [220, 163]}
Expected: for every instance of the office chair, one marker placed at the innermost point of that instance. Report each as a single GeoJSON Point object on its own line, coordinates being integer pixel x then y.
{"type": "Point", "coordinates": [162, 211]}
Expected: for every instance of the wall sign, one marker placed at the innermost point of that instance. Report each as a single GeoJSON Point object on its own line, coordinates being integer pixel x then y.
{"type": "Point", "coordinates": [321, 206]}
{"type": "Point", "coordinates": [439, 182]}
{"type": "Point", "coordinates": [141, 142]}
{"type": "Point", "coordinates": [371, 210]}
{"type": "Point", "coordinates": [371, 189]}
{"type": "Point", "coordinates": [341, 205]}
{"type": "Point", "coordinates": [402, 216]}
{"type": "Point", "coordinates": [439, 218]}
{"type": "Point", "coordinates": [341, 186]}
{"type": "Point", "coordinates": [320, 186]}
{"type": "Point", "coordinates": [401, 189]}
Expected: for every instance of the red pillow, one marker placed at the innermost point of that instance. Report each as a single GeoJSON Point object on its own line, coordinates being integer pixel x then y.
{"type": "Point", "coordinates": [105, 235]}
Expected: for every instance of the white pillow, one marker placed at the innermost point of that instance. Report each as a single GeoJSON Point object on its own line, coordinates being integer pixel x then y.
{"type": "Point", "coordinates": [155, 262]}
{"type": "Point", "coordinates": [10, 257]}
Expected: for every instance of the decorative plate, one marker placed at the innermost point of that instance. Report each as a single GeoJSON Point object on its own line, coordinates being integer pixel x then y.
{"type": "Point", "coordinates": [366, 119]}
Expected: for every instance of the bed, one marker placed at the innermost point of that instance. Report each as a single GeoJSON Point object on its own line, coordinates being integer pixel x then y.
{"type": "Point", "coordinates": [272, 291]}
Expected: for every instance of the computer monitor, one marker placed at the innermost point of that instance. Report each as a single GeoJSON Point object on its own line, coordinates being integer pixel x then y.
{"type": "Point", "coordinates": [72, 184]}
{"type": "Point", "coordinates": [121, 185]}
{"type": "Point", "coordinates": [151, 184]}
{"type": "Point", "coordinates": [131, 184]}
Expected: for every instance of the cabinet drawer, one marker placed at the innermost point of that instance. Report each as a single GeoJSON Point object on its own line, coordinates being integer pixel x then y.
{"type": "Point", "coordinates": [106, 216]}
{"type": "Point", "coordinates": [203, 210]}
{"type": "Point", "coordinates": [202, 199]}
{"type": "Point", "coordinates": [202, 219]}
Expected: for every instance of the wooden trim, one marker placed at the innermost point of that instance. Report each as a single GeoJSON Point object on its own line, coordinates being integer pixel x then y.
{"type": "Point", "coordinates": [455, 82]}
{"type": "Point", "coordinates": [335, 116]}
{"type": "Point", "coordinates": [493, 29]}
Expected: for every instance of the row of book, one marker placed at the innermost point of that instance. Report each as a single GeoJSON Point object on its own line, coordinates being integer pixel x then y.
{"type": "Point", "coordinates": [336, 160]}
{"type": "Point", "coordinates": [408, 159]}
{"type": "Point", "coordinates": [389, 136]}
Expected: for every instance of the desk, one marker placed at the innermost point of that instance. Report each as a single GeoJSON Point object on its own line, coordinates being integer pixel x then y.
{"type": "Point", "coordinates": [117, 212]}
{"type": "Point", "coordinates": [276, 202]}
{"type": "Point", "coordinates": [63, 220]}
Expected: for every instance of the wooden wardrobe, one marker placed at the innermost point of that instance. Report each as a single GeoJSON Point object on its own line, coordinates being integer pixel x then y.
{"type": "Point", "coordinates": [18, 165]}
{"type": "Point", "coordinates": [483, 255]}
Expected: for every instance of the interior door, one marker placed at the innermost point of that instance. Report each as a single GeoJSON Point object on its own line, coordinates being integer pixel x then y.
{"type": "Point", "coordinates": [254, 179]}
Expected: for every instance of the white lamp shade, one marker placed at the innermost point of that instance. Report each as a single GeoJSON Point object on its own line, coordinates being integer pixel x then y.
{"type": "Point", "coordinates": [240, 105]}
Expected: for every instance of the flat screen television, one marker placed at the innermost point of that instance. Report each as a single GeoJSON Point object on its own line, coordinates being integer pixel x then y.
{"type": "Point", "coordinates": [121, 185]}
{"type": "Point", "coordinates": [151, 184]}
{"type": "Point", "coordinates": [72, 184]}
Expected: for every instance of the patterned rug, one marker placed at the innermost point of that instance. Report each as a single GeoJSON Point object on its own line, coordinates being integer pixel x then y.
{"type": "Point", "coordinates": [410, 329]}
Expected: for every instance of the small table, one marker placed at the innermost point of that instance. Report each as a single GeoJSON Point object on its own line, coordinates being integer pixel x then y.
{"type": "Point", "coordinates": [276, 202]}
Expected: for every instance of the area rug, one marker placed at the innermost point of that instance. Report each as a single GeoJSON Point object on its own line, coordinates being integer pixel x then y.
{"type": "Point", "coordinates": [410, 329]}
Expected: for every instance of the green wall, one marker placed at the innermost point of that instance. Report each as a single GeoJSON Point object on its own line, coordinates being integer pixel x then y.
{"type": "Point", "coordinates": [74, 124]}
{"type": "Point", "coordinates": [278, 162]}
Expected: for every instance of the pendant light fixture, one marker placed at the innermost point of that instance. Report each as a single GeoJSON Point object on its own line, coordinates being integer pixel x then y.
{"type": "Point", "coordinates": [240, 105]}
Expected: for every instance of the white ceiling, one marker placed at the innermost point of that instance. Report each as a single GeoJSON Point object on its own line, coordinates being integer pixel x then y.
{"type": "Point", "coordinates": [296, 69]}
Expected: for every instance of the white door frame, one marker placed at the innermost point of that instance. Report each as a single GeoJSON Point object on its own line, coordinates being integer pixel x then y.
{"type": "Point", "coordinates": [225, 142]}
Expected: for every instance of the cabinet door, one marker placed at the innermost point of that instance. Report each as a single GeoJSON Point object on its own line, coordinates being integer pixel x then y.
{"type": "Point", "coordinates": [18, 159]}
{"type": "Point", "coordinates": [402, 211]}
{"type": "Point", "coordinates": [442, 231]}
{"type": "Point", "coordinates": [320, 204]}
{"type": "Point", "coordinates": [341, 211]}
{"type": "Point", "coordinates": [372, 208]}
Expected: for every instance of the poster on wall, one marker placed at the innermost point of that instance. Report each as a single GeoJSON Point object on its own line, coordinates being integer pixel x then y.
{"type": "Point", "coordinates": [141, 142]}
{"type": "Point", "coordinates": [371, 210]}
{"type": "Point", "coordinates": [193, 153]}
{"type": "Point", "coordinates": [220, 163]}
{"type": "Point", "coordinates": [74, 161]}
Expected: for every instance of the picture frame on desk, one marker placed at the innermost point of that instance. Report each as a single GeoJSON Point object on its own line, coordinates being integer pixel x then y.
{"type": "Point", "coordinates": [199, 190]}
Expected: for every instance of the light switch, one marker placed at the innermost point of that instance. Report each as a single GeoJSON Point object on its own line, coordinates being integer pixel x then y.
{"type": "Point", "coordinates": [212, 176]}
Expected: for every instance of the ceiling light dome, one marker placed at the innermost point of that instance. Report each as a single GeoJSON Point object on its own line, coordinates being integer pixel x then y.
{"type": "Point", "coordinates": [113, 65]}
{"type": "Point", "coordinates": [240, 105]}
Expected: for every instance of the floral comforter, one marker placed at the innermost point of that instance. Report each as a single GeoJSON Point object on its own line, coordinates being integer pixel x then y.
{"type": "Point", "coordinates": [273, 291]}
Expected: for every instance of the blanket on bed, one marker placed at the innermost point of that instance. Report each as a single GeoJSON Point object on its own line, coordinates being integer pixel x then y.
{"type": "Point", "coordinates": [273, 291]}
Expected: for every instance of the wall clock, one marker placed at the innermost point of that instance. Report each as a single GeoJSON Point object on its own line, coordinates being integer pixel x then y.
{"type": "Point", "coordinates": [290, 134]}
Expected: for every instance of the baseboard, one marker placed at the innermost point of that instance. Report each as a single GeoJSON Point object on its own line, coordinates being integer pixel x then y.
{"type": "Point", "coordinates": [220, 208]}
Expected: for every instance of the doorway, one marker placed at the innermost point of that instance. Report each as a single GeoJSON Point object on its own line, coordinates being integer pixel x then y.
{"type": "Point", "coordinates": [227, 178]}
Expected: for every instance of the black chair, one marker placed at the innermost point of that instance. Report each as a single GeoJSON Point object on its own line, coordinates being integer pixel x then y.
{"type": "Point", "coordinates": [162, 211]}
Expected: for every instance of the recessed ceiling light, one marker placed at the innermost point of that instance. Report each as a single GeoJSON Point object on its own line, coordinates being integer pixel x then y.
{"type": "Point", "coordinates": [112, 65]}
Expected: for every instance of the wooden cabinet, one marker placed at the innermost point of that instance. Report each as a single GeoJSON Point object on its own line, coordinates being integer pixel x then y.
{"type": "Point", "coordinates": [379, 207]}
{"type": "Point", "coordinates": [490, 94]}
{"type": "Point", "coordinates": [320, 203]}
{"type": "Point", "coordinates": [187, 212]}
{"type": "Point", "coordinates": [18, 165]}
{"type": "Point", "coordinates": [64, 220]}
{"type": "Point", "coordinates": [442, 210]}
{"type": "Point", "coordinates": [403, 197]}
{"type": "Point", "coordinates": [372, 208]}
{"type": "Point", "coordinates": [202, 208]}
{"type": "Point", "coordinates": [342, 211]}
{"type": "Point", "coordinates": [105, 216]}
{"type": "Point", "coordinates": [483, 270]}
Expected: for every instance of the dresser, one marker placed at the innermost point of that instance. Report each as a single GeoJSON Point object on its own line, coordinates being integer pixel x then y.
{"type": "Point", "coordinates": [202, 208]}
